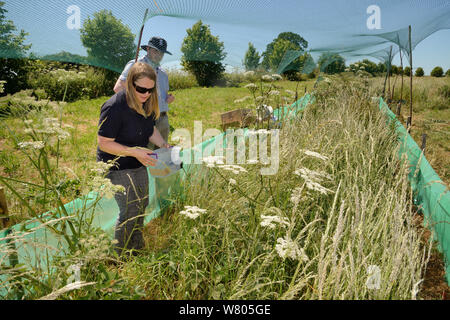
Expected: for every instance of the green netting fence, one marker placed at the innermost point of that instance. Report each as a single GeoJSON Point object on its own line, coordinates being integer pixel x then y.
{"type": "Point", "coordinates": [430, 195]}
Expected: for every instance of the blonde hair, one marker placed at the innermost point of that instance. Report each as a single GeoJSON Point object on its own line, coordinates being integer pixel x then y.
{"type": "Point", "coordinates": [138, 71]}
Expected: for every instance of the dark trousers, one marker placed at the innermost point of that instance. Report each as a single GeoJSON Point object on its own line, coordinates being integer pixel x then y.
{"type": "Point", "coordinates": [132, 206]}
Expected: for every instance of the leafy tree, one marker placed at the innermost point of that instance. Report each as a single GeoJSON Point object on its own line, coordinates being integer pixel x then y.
{"type": "Point", "coordinates": [331, 63]}
{"type": "Point", "coordinates": [407, 71]}
{"type": "Point", "coordinates": [437, 72]}
{"type": "Point", "coordinates": [203, 54]}
{"type": "Point", "coordinates": [371, 67]}
{"type": "Point", "coordinates": [297, 44]}
{"type": "Point", "coordinates": [13, 66]}
{"type": "Point", "coordinates": [394, 69]}
{"type": "Point", "coordinates": [419, 72]}
{"type": "Point", "coordinates": [447, 73]}
{"type": "Point", "coordinates": [281, 51]}
{"type": "Point", "coordinates": [365, 65]}
{"type": "Point", "coordinates": [381, 67]}
{"type": "Point", "coordinates": [252, 57]}
{"type": "Point", "coordinates": [108, 41]}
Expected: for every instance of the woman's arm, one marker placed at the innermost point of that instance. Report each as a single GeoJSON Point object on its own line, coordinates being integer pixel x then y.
{"type": "Point", "coordinates": [108, 145]}
{"type": "Point", "coordinates": [158, 140]}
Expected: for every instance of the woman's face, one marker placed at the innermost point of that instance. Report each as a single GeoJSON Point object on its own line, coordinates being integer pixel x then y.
{"type": "Point", "coordinates": [145, 83]}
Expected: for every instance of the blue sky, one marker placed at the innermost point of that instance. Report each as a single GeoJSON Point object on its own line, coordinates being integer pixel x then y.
{"type": "Point", "coordinates": [321, 22]}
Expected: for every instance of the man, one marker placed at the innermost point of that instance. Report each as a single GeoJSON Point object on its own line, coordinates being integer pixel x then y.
{"type": "Point", "coordinates": [156, 49]}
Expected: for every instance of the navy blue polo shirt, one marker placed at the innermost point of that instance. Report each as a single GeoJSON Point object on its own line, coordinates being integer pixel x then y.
{"type": "Point", "coordinates": [126, 126]}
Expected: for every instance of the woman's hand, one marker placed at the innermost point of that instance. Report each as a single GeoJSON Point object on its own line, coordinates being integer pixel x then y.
{"type": "Point", "coordinates": [143, 156]}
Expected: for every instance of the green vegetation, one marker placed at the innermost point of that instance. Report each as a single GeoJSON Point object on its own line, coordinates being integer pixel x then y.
{"type": "Point", "coordinates": [252, 58]}
{"type": "Point", "coordinates": [431, 114]}
{"type": "Point", "coordinates": [230, 249]}
{"type": "Point", "coordinates": [108, 41]}
{"type": "Point", "coordinates": [203, 54]}
{"type": "Point", "coordinates": [419, 72]}
{"type": "Point", "coordinates": [437, 72]}
{"type": "Point", "coordinates": [331, 63]}
{"type": "Point", "coordinates": [340, 199]}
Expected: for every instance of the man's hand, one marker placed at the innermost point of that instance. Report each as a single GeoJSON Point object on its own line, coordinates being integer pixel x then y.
{"type": "Point", "coordinates": [170, 98]}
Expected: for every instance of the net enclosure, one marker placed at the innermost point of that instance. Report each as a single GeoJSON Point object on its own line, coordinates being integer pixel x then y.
{"type": "Point", "coordinates": [106, 34]}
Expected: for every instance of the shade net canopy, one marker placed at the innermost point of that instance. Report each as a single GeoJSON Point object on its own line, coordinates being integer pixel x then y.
{"type": "Point", "coordinates": [60, 30]}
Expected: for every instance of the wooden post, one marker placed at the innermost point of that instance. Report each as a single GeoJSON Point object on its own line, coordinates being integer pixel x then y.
{"type": "Point", "coordinates": [399, 109]}
{"type": "Point", "coordinates": [410, 81]}
{"type": "Point", "coordinates": [424, 142]}
{"type": "Point", "coordinates": [140, 35]}
{"type": "Point", "coordinates": [388, 69]}
{"type": "Point", "coordinates": [401, 63]}
{"type": "Point", "coordinates": [4, 220]}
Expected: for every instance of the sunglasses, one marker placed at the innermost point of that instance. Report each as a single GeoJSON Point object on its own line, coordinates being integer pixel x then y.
{"type": "Point", "coordinates": [142, 89]}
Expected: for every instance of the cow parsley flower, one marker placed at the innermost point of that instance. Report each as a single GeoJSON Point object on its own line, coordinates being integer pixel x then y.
{"type": "Point", "coordinates": [192, 212]}
{"type": "Point", "coordinates": [233, 168]}
{"type": "Point", "coordinates": [277, 77]}
{"type": "Point", "coordinates": [272, 221]}
{"type": "Point", "coordinates": [249, 73]}
{"type": "Point", "coordinates": [296, 195]}
{"type": "Point", "coordinates": [105, 188]}
{"type": "Point", "coordinates": [37, 145]}
{"type": "Point", "coordinates": [252, 87]}
{"type": "Point", "coordinates": [211, 161]}
{"type": "Point", "coordinates": [286, 248]}
{"type": "Point", "coordinates": [274, 93]}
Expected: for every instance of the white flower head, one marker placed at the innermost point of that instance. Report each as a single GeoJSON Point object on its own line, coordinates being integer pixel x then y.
{"type": "Point", "coordinates": [252, 87]}
{"type": "Point", "coordinates": [272, 221]}
{"type": "Point", "coordinates": [277, 77]}
{"type": "Point", "coordinates": [192, 212]}
{"type": "Point", "coordinates": [232, 182]}
{"type": "Point", "coordinates": [233, 168]}
{"type": "Point", "coordinates": [274, 93]}
{"type": "Point", "coordinates": [105, 188]}
{"type": "Point", "coordinates": [267, 77]}
{"type": "Point", "coordinates": [296, 195]}
{"type": "Point", "coordinates": [286, 248]}
{"type": "Point", "coordinates": [249, 74]}
{"type": "Point", "coordinates": [211, 161]}
{"type": "Point", "coordinates": [37, 145]}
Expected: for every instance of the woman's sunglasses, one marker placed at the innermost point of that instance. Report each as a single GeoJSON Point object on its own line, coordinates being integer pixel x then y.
{"type": "Point", "coordinates": [142, 89]}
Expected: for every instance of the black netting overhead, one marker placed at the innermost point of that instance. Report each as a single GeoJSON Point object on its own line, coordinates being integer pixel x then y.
{"type": "Point", "coordinates": [105, 33]}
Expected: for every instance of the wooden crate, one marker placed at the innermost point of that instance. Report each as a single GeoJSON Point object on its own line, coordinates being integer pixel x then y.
{"type": "Point", "coordinates": [240, 118]}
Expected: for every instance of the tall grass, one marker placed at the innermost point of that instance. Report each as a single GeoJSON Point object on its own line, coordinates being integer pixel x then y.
{"type": "Point", "coordinates": [335, 222]}
{"type": "Point", "coordinates": [346, 206]}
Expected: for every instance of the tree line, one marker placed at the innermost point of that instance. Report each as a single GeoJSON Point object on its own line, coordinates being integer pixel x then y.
{"type": "Point", "coordinates": [111, 44]}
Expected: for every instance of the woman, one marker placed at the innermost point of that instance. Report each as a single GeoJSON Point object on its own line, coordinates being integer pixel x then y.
{"type": "Point", "coordinates": [127, 124]}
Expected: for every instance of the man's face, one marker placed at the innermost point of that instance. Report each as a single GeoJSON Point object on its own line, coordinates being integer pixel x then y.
{"type": "Point", "coordinates": [155, 55]}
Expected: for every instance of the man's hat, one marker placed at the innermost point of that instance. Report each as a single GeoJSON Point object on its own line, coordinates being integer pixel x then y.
{"type": "Point", "coordinates": [158, 44]}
